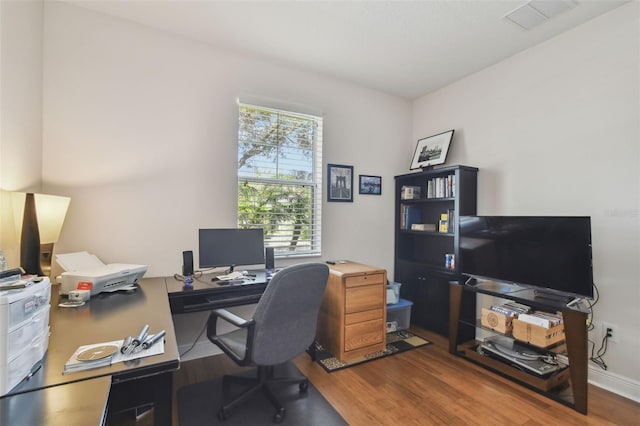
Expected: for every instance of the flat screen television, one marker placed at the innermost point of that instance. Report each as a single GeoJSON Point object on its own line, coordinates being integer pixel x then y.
{"type": "Point", "coordinates": [551, 253]}
{"type": "Point", "coordinates": [230, 247]}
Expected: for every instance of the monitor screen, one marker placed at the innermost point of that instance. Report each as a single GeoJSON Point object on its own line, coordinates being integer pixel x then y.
{"type": "Point", "coordinates": [550, 252]}
{"type": "Point", "coordinates": [230, 247]}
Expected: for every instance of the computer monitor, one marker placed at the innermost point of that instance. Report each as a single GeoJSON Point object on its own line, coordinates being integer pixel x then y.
{"type": "Point", "coordinates": [231, 247]}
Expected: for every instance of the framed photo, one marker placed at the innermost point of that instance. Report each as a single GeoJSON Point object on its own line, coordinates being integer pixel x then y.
{"type": "Point", "coordinates": [339, 183]}
{"type": "Point", "coordinates": [432, 150]}
{"type": "Point", "coordinates": [371, 185]}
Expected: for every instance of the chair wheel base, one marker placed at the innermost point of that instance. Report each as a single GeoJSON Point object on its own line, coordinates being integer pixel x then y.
{"type": "Point", "coordinates": [279, 416]}
{"type": "Point", "coordinates": [222, 415]}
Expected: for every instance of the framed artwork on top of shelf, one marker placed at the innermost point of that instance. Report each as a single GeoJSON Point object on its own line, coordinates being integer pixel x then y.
{"type": "Point", "coordinates": [339, 183]}
{"type": "Point", "coordinates": [370, 185]}
{"type": "Point", "coordinates": [432, 150]}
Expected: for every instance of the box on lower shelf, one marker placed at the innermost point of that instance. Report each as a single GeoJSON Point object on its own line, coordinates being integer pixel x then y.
{"type": "Point", "coordinates": [536, 335]}
{"type": "Point", "coordinates": [496, 321]}
{"type": "Point", "coordinates": [399, 315]}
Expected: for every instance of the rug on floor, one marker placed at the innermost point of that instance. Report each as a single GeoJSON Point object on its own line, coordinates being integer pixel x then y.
{"type": "Point", "coordinates": [397, 342]}
{"type": "Point", "coordinates": [198, 405]}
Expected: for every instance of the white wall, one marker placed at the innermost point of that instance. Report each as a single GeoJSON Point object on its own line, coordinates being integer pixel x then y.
{"type": "Point", "coordinates": [21, 113]}
{"type": "Point", "coordinates": [140, 130]}
{"type": "Point", "coordinates": [554, 130]}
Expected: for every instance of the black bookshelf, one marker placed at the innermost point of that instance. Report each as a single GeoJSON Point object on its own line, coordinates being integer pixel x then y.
{"type": "Point", "coordinates": [420, 254]}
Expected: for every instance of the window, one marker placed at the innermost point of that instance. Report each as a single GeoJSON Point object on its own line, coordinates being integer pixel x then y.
{"type": "Point", "coordinates": [280, 178]}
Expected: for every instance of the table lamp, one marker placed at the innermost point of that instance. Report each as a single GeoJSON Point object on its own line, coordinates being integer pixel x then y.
{"type": "Point", "coordinates": [39, 219]}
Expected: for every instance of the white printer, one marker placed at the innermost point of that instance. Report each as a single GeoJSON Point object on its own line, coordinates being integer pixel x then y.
{"type": "Point", "coordinates": [87, 268]}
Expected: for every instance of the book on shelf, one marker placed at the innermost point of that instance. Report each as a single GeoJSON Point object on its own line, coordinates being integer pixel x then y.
{"type": "Point", "coordinates": [409, 215]}
{"type": "Point", "coordinates": [451, 219]}
{"type": "Point", "coordinates": [443, 224]}
{"type": "Point", "coordinates": [409, 192]}
{"type": "Point", "coordinates": [441, 187]}
{"type": "Point", "coordinates": [423, 227]}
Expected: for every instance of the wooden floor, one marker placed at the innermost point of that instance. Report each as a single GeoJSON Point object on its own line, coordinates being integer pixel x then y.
{"type": "Point", "coordinates": [429, 386]}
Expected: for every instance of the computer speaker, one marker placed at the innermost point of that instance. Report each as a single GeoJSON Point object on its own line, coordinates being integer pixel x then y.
{"type": "Point", "coordinates": [187, 263]}
{"type": "Point", "coordinates": [269, 262]}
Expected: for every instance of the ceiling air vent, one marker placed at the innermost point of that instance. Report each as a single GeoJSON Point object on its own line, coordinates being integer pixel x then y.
{"type": "Point", "coordinates": [536, 12]}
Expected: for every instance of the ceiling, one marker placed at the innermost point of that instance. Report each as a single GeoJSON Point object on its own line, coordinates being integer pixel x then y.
{"type": "Point", "coordinates": [405, 48]}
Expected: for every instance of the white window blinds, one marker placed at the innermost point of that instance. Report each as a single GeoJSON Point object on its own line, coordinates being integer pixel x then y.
{"type": "Point", "coordinates": [280, 178]}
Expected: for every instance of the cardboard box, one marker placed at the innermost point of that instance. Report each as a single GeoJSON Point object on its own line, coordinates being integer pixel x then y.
{"type": "Point", "coordinates": [496, 321]}
{"type": "Point", "coordinates": [536, 335]}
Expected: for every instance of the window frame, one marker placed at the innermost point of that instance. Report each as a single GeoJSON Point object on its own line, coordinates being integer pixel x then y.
{"type": "Point", "coordinates": [312, 246]}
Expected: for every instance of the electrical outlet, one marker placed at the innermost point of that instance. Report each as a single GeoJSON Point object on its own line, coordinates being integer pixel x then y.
{"type": "Point", "coordinates": [608, 328]}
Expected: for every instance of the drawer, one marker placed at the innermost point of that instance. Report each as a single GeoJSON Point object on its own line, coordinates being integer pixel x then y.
{"type": "Point", "coordinates": [20, 366]}
{"type": "Point", "coordinates": [364, 334]}
{"type": "Point", "coordinates": [365, 279]}
{"type": "Point", "coordinates": [357, 317]}
{"type": "Point", "coordinates": [22, 337]}
{"type": "Point", "coordinates": [366, 298]}
{"type": "Point", "coordinates": [18, 306]}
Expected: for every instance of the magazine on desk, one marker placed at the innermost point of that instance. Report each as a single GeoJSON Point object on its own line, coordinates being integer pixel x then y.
{"type": "Point", "coordinates": [97, 355]}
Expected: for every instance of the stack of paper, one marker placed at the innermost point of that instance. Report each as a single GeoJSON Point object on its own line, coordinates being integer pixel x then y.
{"type": "Point", "coordinates": [91, 356]}
{"type": "Point", "coordinates": [105, 354]}
{"type": "Point", "coordinates": [230, 276]}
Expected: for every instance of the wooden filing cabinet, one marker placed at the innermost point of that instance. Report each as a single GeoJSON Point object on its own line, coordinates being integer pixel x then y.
{"type": "Point", "coordinates": [352, 319]}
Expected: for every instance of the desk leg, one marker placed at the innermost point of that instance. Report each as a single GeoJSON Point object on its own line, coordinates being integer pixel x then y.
{"type": "Point", "coordinates": [153, 390]}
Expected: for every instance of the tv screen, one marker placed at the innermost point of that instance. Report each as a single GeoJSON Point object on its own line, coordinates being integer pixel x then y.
{"type": "Point", "coordinates": [549, 252]}
{"type": "Point", "coordinates": [231, 247]}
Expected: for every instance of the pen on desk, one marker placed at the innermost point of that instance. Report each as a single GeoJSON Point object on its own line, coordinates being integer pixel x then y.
{"type": "Point", "coordinates": [142, 336]}
{"type": "Point", "coordinates": [126, 344]}
{"type": "Point", "coordinates": [152, 340]}
{"type": "Point", "coordinates": [34, 371]}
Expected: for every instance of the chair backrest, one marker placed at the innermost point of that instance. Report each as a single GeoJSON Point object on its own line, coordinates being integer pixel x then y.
{"type": "Point", "coordinates": [287, 314]}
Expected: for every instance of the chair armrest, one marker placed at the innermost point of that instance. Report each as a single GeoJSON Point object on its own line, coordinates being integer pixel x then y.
{"type": "Point", "coordinates": [212, 333]}
{"type": "Point", "coordinates": [212, 322]}
{"type": "Point", "coordinates": [230, 317]}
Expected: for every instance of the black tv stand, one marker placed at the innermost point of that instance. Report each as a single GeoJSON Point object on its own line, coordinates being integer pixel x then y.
{"type": "Point", "coordinates": [575, 343]}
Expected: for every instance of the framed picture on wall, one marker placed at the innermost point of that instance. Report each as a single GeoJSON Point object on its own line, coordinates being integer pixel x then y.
{"type": "Point", "coordinates": [370, 185]}
{"type": "Point", "coordinates": [339, 183]}
{"type": "Point", "coordinates": [432, 150]}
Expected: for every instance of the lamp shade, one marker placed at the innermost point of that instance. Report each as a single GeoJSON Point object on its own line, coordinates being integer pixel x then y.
{"type": "Point", "coordinates": [39, 219]}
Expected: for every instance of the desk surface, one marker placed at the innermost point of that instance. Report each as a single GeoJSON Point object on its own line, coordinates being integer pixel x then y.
{"type": "Point", "coordinates": [106, 317]}
{"type": "Point", "coordinates": [58, 405]}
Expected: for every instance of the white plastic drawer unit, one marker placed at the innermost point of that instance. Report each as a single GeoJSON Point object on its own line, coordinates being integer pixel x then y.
{"type": "Point", "coordinates": [23, 336]}
{"type": "Point", "coordinates": [24, 331]}
{"type": "Point", "coordinates": [19, 306]}
{"type": "Point", "coordinates": [13, 372]}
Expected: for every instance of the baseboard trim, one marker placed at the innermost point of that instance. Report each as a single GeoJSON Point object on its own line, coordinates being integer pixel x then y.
{"type": "Point", "coordinates": [617, 384]}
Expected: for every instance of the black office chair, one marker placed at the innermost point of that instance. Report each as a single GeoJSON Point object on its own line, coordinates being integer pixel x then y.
{"type": "Point", "coordinates": [283, 326]}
